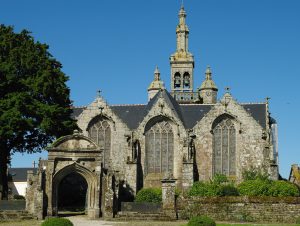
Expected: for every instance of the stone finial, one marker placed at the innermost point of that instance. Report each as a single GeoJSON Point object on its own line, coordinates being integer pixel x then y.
{"type": "Point", "coordinates": [156, 85]}
{"type": "Point", "coordinates": [156, 74]}
{"type": "Point", "coordinates": [227, 89]}
{"type": "Point", "coordinates": [208, 73]}
{"type": "Point", "coordinates": [208, 83]}
{"type": "Point", "coordinates": [99, 93]}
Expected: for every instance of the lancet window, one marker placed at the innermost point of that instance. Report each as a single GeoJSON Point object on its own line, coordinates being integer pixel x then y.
{"type": "Point", "coordinates": [160, 148]}
{"type": "Point", "coordinates": [100, 133]}
{"type": "Point", "coordinates": [224, 145]}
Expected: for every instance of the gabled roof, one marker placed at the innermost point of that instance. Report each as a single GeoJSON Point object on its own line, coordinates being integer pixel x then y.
{"type": "Point", "coordinates": [192, 113]}
{"type": "Point", "coordinates": [77, 111]}
{"type": "Point", "coordinates": [19, 174]}
{"type": "Point", "coordinates": [189, 114]}
{"type": "Point", "coordinates": [171, 102]}
{"type": "Point", "coordinates": [131, 115]}
{"type": "Point", "coordinates": [258, 112]}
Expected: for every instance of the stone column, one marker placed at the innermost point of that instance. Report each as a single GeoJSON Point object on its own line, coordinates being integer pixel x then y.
{"type": "Point", "coordinates": [187, 175]}
{"type": "Point", "coordinates": [168, 196]}
{"type": "Point", "coordinates": [131, 175]}
{"type": "Point", "coordinates": [30, 192]}
{"type": "Point", "coordinates": [109, 196]}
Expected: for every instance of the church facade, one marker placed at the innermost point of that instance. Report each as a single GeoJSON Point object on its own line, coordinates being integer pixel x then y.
{"type": "Point", "coordinates": [185, 133]}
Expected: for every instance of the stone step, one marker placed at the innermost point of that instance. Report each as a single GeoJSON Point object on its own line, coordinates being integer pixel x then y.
{"type": "Point", "coordinates": [15, 215]}
{"type": "Point", "coordinates": [135, 216]}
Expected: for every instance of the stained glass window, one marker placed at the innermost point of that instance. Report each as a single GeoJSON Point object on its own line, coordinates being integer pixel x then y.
{"type": "Point", "coordinates": [159, 148]}
{"type": "Point", "coordinates": [224, 145]}
{"type": "Point", "coordinates": [100, 133]}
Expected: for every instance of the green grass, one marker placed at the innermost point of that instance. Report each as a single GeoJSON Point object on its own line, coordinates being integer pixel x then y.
{"type": "Point", "coordinates": [184, 223]}
{"type": "Point", "coordinates": [21, 223]}
{"type": "Point", "coordinates": [255, 224]}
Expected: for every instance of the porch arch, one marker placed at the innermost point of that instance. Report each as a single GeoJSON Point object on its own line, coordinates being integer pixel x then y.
{"type": "Point", "coordinates": [92, 201]}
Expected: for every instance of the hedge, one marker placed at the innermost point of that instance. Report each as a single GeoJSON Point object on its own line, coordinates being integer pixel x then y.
{"type": "Point", "coordinates": [260, 187]}
{"type": "Point", "coordinates": [201, 221]}
{"type": "Point", "coordinates": [153, 195]}
{"type": "Point", "coordinates": [57, 222]}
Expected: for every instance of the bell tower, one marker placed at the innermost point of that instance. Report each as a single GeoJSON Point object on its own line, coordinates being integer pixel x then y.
{"type": "Point", "coordinates": [182, 64]}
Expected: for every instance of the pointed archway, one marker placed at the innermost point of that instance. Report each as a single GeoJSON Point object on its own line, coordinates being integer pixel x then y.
{"type": "Point", "coordinates": [72, 194]}
{"type": "Point", "coordinates": [84, 182]}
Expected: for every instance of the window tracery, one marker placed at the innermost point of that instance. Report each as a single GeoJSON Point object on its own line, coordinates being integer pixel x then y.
{"type": "Point", "coordinates": [159, 148]}
{"type": "Point", "coordinates": [224, 146]}
{"type": "Point", "coordinates": [100, 133]}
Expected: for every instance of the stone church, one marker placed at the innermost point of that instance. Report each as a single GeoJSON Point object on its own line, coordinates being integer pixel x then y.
{"type": "Point", "coordinates": [186, 134]}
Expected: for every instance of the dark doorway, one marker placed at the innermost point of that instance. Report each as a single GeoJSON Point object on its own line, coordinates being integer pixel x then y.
{"type": "Point", "coordinates": [72, 192]}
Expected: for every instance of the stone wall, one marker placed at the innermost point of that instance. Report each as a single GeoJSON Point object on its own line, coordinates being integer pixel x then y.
{"type": "Point", "coordinates": [242, 209]}
{"type": "Point", "coordinates": [251, 149]}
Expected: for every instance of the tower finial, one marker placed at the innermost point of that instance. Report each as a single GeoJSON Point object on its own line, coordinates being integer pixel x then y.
{"type": "Point", "coordinates": [182, 5]}
{"type": "Point", "coordinates": [156, 74]}
{"type": "Point", "coordinates": [99, 93]}
{"type": "Point", "coordinates": [208, 73]}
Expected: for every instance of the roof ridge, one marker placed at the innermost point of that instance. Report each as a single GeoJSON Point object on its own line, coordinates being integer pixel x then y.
{"type": "Point", "coordinates": [196, 104]}
{"type": "Point", "coordinates": [253, 103]}
{"type": "Point", "coordinates": [117, 105]}
{"type": "Point", "coordinates": [78, 106]}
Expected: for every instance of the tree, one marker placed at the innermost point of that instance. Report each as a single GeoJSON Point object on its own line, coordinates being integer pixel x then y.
{"type": "Point", "coordinates": [35, 107]}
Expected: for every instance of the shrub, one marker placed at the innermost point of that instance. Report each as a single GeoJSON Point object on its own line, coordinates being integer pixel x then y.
{"type": "Point", "coordinates": [229, 190]}
{"type": "Point", "coordinates": [201, 221]}
{"type": "Point", "coordinates": [254, 174]}
{"type": "Point", "coordinates": [153, 195]}
{"type": "Point", "coordinates": [205, 189]}
{"type": "Point", "coordinates": [298, 220]}
{"type": "Point", "coordinates": [57, 222]}
{"type": "Point", "coordinates": [220, 179]}
{"type": "Point", "coordinates": [282, 188]}
{"type": "Point", "coordinates": [19, 197]}
{"type": "Point", "coordinates": [218, 186]}
{"type": "Point", "coordinates": [260, 187]}
{"type": "Point", "coordinates": [255, 187]}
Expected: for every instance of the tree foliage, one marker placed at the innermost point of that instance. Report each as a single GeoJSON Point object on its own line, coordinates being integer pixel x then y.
{"type": "Point", "coordinates": [34, 99]}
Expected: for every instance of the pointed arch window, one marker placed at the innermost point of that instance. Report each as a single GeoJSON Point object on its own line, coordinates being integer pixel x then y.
{"type": "Point", "coordinates": [177, 80]}
{"type": "Point", "coordinates": [186, 80]}
{"type": "Point", "coordinates": [100, 132]}
{"type": "Point", "coordinates": [159, 148]}
{"type": "Point", "coordinates": [224, 147]}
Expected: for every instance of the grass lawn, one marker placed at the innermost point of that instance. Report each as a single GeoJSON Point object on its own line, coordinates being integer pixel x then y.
{"type": "Point", "coordinates": [184, 223]}
{"type": "Point", "coordinates": [140, 223]}
{"type": "Point", "coordinates": [21, 223]}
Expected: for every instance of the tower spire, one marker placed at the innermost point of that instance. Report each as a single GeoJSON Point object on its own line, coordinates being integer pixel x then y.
{"type": "Point", "coordinates": [155, 85]}
{"type": "Point", "coordinates": [182, 63]}
{"type": "Point", "coordinates": [208, 89]}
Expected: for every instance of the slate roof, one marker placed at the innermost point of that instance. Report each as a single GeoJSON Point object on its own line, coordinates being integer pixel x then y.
{"type": "Point", "coordinates": [192, 113]}
{"type": "Point", "coordinates": [189, 114]}
{"type": "Point", "coordinates": [258, 112]}
{"type": "Point", "coordinates": [19, 174]}
{"type": "Point", "coordinates": [132, 115]}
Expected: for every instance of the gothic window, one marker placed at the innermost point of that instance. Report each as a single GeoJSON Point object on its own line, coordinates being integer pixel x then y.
{"type": "Point", "coordinates": [224, 145]}
{"type": "Point", "coordinates": [100, 132]}
{"type": "Point", "coordinates": [159, 148]}
{"type": "Point", "coordinates": [186, 80]}
{"type": "Point", "coordinates": [177, 81]}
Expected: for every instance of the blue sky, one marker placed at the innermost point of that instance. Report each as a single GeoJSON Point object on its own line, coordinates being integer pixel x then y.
{"type": "Point", "coordinates": [114, 45]}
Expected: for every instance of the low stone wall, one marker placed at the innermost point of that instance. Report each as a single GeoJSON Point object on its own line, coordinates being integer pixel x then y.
{"type": "Point", "coordinates": [141, 207]}
{"type": "Point", "coordinates": [241, 209]}
{"type": "Point", "coordinates": [12, 205]}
